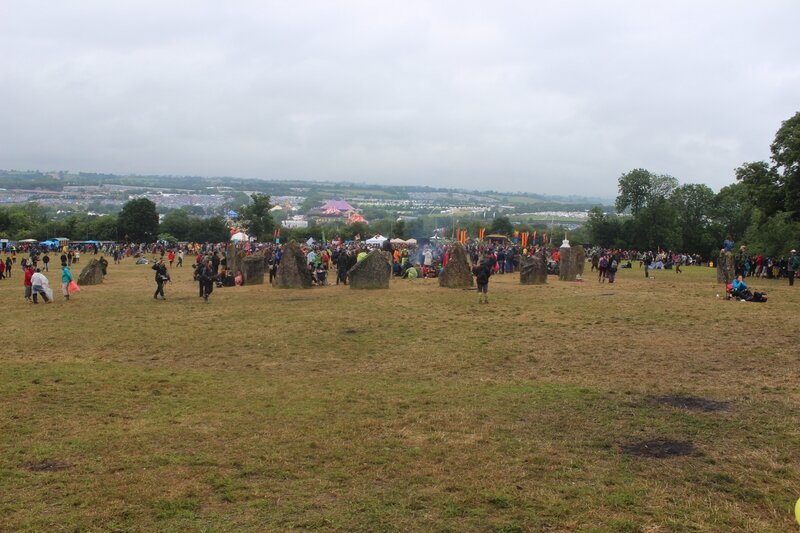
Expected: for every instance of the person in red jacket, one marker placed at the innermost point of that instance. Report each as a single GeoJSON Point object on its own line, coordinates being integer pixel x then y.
{"type": "Point", "coordinates": [27, 283]}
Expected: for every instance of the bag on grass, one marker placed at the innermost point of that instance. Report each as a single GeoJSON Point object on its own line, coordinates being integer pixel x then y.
{"type": "Point", "coordinates": [73, 287]}
{"type": "Point", "coordinates": [49, 292]}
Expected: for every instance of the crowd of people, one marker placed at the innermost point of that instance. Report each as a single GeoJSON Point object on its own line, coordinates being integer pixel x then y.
{"type": "Point", "coordinates": [210, 262]}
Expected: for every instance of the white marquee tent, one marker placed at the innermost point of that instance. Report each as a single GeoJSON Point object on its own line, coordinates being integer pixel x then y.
{"type": "Point", "coordinates": [377, 239]}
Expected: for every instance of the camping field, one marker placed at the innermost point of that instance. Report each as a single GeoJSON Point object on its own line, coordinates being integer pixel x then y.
{"type": "Point", "coordinates": [646, 405]}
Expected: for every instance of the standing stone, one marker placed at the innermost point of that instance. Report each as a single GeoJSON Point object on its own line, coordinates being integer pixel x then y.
{"type": "Point", "coordinates": [293, 270]}
{"type": "Point", "coordinates": [578, 260]}
{"type": "Point", "coordinates": [233, 259]}
{"type": "Point", "coordinates": [104, 265]}
{"type": "Point", "coordinates": [252, 268]}
{"type": "Point", "coordinates": [456, 274]}
{"type": "Point", "coordinates": [373, 272]}
{"type": "Point", "coordinates": [726, 269]}
{"type": "Point", "coordinates": [533, 270]}
{"type": "Point", "coordinates": [92, 273]}
{"type": "Point", "coordinates": [566, 269]}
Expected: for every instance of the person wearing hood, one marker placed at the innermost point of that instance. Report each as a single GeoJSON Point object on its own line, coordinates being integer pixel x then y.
{"type": "Point", "coordinates": [39, 286]}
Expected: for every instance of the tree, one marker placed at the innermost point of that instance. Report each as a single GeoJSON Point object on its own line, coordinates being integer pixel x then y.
{"type": "Point", "coordinates": [138, 221]}
{"type": "Point", "coordinates": [786, 156]}
{"type": "Point", "coordinates": [647, 196]}
{"type": "Point", "coordinates": [177, 223]}
{"type": "Point", "coordinates": [633, 191]}
{"type": "Point", "coordinates": [694, 205]}
{"type": "Point", "coordinates": [256, 217]}
{"type": "Point", "coordinates": [501, 226]}
{"type": "Point", "coordinates": [762, 183]}
{"type": "Point", "coordinates": [732, 212]}
{"type": "Point", "coordinates": [211, 229]}
{"type": "Point", "coordinates": [603, 229]}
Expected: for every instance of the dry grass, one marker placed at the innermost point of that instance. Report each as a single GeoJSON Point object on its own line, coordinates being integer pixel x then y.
{"type": "Point", "coordinates": [408, 409]}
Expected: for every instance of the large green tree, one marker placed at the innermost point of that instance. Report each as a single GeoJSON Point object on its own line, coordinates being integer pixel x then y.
{"type": "Point", "coordinates": [647, 197]}
{"type": "Point", "coordinates": [211, 229]}
{"type": "Point", "coordinates": [177, 223]}
{"type": "Point", "coordinates": [138, 221]}
{"type": "Point", "coordinates": [694, 205]}
{"type": "Point", "coordinates": [786, 155]}
{"type": "Point", "coordinates": [256, 217]}
{"type": "Point", "coordinates": [603, 229]}
{"type": "Point", "coordinates": [762, 183]}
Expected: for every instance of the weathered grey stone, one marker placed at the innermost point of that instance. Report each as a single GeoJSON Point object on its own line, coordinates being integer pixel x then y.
{"type": "Point", "coordinates": [578, 260]}
{"type": "Point", "coordinates": [456, 274]}
{"type": "Point", "coordinates": [373, 272]}
{"type": "Point", "coordinates": [293, 270]}
{"type": "Point", "coordinates": [92, 273]}
{"type": "Point", "coordinates": [252, 268]}
{"type": "Point", "coordinates": [726, 268]}
{"type": "Point", "coordinates": [566, 268]}
{"type": "Point", "coordinates": [533, 270]}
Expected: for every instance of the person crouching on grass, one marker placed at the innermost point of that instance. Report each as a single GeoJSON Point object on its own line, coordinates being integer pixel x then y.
{"type": "Point", "coordinates": [39, 286]}
{"type": "Point", "coordinates": [482, 274]}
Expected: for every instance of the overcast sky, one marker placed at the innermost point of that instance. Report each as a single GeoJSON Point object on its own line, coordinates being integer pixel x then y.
{"type": "Point", "coordinates": [554, 97]}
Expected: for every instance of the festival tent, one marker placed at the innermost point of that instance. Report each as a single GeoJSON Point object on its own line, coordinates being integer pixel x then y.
{"type": "Point", "coordinates": [397, 241]}
{"type": "Point", "coordinates": [26, 241]}
{"type": "Point", "coordinates": [377, 239]}
{"type": "Point", "coordinates": [411, 241]}
{"type": "Point", "coordinates": [241, 236]}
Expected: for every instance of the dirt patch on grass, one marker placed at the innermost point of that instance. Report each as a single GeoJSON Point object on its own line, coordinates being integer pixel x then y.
{"type": "Point", "coordinates": [48, 465]}
{"type": "Point", "coordinates": [350, 332]}
{"type": "Point", "coordinates": [692, 403]}
{"type": "Point", "coordinates": [658, 448]}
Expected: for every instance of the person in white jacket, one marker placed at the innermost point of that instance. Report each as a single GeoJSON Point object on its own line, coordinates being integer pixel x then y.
{"type": "Point", "coordinates": [39, 286]}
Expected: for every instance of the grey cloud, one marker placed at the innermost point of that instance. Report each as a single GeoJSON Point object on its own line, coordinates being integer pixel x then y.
{"type": "Point", "coordinates": [557, 98]}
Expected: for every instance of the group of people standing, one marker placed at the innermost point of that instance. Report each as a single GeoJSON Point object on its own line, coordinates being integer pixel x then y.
{"type": "Point", "coordinates": [37, 285]}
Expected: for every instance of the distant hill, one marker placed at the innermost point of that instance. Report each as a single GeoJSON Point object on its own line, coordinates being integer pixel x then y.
{"type": "Point", "coordinates": [518, 201]}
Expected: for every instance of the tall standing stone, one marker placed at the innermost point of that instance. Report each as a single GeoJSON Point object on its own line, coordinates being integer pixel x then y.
{"type": "Point", "coordinates": [578, 260]}
{"type": "Point", "coordinates": [566, 268]}
{"type": "Point", "coordinates": [456, 274]}
{"type": "Point", "coordinates": [533, 270]}
{"type": "Point", "coordinates": [293, 270]}
{"type": "Point", "coordinates": [373, 272]}
{"type": "Point", "coordinates": [726, 268]}
{"type": "Point", "coordinates": [92, 273]}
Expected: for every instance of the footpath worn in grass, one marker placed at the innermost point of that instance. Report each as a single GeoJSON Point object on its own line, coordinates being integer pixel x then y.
{"type": "Point", "coordinates": [408, 409]}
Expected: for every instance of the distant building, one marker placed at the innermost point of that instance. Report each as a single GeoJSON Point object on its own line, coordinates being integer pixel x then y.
{"type": "Point", "coordinates": [294, 223]}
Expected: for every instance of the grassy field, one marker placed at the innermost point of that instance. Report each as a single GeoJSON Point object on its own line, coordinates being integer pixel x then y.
{"type": "Point", "coordinates": [409, 409]}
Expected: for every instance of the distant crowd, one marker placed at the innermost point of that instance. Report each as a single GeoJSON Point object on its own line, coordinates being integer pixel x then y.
{"type": "Point", "coordinates": [330, 262]}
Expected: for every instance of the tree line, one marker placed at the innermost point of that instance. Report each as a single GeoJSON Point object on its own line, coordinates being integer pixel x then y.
{"type": "Point", "coordinates": [760, 210]}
